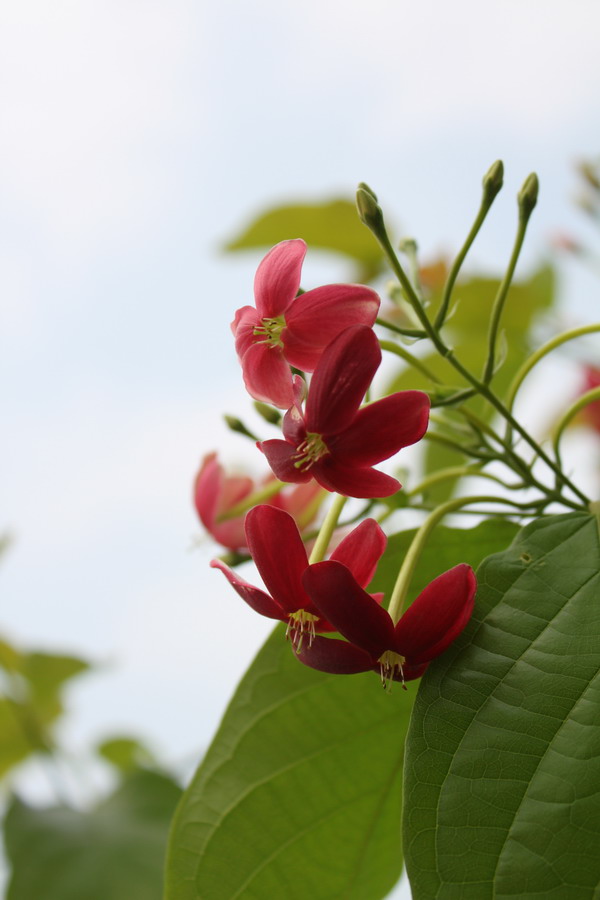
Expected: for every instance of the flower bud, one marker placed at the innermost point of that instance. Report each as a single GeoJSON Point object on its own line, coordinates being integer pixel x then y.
{"type": "Point", "coordinates": [527, 196]}
{"type": "Point", "coordinates": [269, 413]}
{"type": "Point", "coordinates": [493, 180]}
{"type": "Point", "coordinates": [368, 209]}
{"type": "Point", "coordinates": [235, 424]}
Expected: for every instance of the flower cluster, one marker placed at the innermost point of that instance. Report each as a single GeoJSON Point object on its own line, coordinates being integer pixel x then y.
{"type": "Point", "coordinates": [314, 355]}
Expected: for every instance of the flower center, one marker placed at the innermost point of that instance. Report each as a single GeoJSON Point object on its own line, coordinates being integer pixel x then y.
{"type": "Point", "coordinates": [270, 331]}
{"type": "Point", "coordinates": [390, 664]}
{"type": "Point", "coordinates": [300, 623]}
{"type": "Point", "coordinates": [312, 448]}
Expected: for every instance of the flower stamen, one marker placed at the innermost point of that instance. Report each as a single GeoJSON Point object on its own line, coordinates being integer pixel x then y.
{"type": "Point", "coordinates": [390, 664]}
{"type": "Point", "coordinates": [300, 623]}
{"type": "Point", "coordinates": [312, 449]}
{"type": "Point", "coordinates": [270, 331]}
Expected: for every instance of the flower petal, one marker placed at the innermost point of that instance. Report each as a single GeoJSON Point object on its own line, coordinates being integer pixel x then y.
{"type": "Point", "coordinates": [350, 610]}
{"type": "Point", "coordinates": [245, 321]}
{"type": "Point", "coordinates": [278, 552]}
{"type": "Point", "coordinates": [341, 379]}
{"type": "Point", "coordinates": [254, 597]}
{"type": "Point", "coordinates": [281, 457]}
{"type": "Point", "coordinates": [361, 550]}
{"type": "Point", "coordinates": [382, 428]}
{"type": "Point", "coordinates": [334, 656]}
{"type": "Point", "coordinates": [267, 376]}
{"type": "Point", "coordinates": [277, 278]}
{"type": "Point", "coordinates": [353, 481]}
{"type": "Point", "coordinates": [437, 616]}
{"type": "Point", "coordinates": [318, 316]}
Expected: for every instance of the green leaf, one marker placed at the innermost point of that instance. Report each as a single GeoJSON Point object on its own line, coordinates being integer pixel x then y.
{"type": "Point", "coordinates": [114, 852]}
{"type": "Point", "coordinates": [503, 754]}
{"type": "Point", "coordinates": [126, 754]}
{"type": "Point", "coordinates": [302, 784]}
{"type": "Point", "coordinates": [33, 700]}
{"type": "Point", "coordinates": [331, 225]}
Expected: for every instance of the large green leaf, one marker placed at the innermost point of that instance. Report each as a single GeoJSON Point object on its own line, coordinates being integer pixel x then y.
{"type": "Point", "coordinates": [115, 852]}
{"type": "Point", "coordinates": [299, 795]}
{"type": "Point", "coordinates": [503, 754]}
{"type": "Point", "coordinates": [331, 225]}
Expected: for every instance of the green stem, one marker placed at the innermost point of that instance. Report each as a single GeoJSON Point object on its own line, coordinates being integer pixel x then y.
{"type": "Point", "coordinates": [400, 591]}
{"type": "Point", "coordinates": [500, 300]}
{"type": "Point", "coordinates": [457, 472]}
{"type": "Point", "coordinates": [405, 332]}
{"type": "Point", "coordinates": [327, 528]}
{"type": "Point", "coordinates": [409, 358]}
{"type": "Point", "coordinates": [585, 399]}
{"type": "Point", "coordinates": [535, 358]}
{"type": "Point", "coordinates": [265, 493]}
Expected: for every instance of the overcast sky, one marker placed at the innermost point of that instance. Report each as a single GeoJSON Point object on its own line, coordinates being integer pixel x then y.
{"type": "Point", "coordinates": [136, 138]}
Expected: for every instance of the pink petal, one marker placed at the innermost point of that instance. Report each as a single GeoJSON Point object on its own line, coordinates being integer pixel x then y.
{"type": "Point", "coordinates": [245, 321]}
{"type": "Point", "coordinates": [207, 488]}
{"type": "Point", "coordinates": [278, 278]}
{"type": "Point", "coordinates": [318, 316]}
{"type": "Point", "coordinates": [361, 550]}
{"type": "Point", "coordinates": [382, 428]}
{"type": "Point", "coordinates": [350, 610]}
{"type": "Point", "coordinates": [341, 379]}
{"type": "Point", "coordinates": [257, 599]}
{"type": "Point", "coordinates": [278, 552]}
{"type": "Point", "coordinates": [293, 421]}
{"type": "Point", "coordinates": [353, 481]}
{"type": "Point", "coordinates": [281, 456]}
{"type": "Point", "coordinates": [301, 502]}
{"type": "Point", "coordinates": [437, 616]}
{"type": "Point", "coordinates": [334, 656]}
{"type": "Point", "coordinates": [267, 376]}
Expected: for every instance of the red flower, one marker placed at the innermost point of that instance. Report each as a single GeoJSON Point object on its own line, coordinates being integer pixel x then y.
{"type": "Point", "coordinates": [398, 652]}
{"type": "Point", "coordinates": [280, 557]}
{"type": "Point", "coordinates": [334, 441]}
{"type": "Point", "coordinates": [287, 330]}
{"type": "Point", "coordinates": [216, 493]}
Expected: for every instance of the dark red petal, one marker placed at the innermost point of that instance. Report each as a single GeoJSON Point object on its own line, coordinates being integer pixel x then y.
{"type": "Point", "coordinates": [277, 278]}
{"type": "Point", "coordinates": [353, 481]}
{"type": "Point", "coordinates": [351, 610]}
{"type": "Point", "coordinates": [293, 421]}
{"type": "Point", "coordinates": [334, 656]}
{"type": "Point", "coordinates": [341, 379]}
{"type": "Point", "coordinates": [278, 552]}
{"type": "Point", "coordinates": [267, 376]}
{"type": "Point", "coordinates": [437, 616]}
{"type": "Point", "coordinates": [281, 457]}
{"type": "Point", "coordinates": [317, 317]}
{"type": "Point", "coordinates": [382, 428]}
{"type": "Point", "coordinates": [254, 597]}
{"type": "Point", "coordinates": [361, 550]}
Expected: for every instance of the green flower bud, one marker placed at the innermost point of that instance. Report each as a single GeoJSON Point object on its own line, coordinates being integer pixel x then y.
{"type": "Point", "coordinates": [493, 180]}
{"type": "Point", "coordinates": [527, 196]}
{"type": "Point", "coordinates": [238, 426]}
{"type": "Point", "coordinates": [368, 210]}
{"type": "Point", "coordinates": [269, 413]}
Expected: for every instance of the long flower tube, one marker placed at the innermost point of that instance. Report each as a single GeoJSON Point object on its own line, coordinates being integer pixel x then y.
{"type": "Point", "coordinates": [280, 557]}
{"type": "Point", "coordinates": [285, 330]}
{"type": "Point", "coordinates": [335, 441]}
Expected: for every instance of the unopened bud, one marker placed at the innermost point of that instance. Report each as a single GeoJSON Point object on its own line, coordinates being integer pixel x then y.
{"type": "Point", "coordinates": [235, 424]}
{"type": "Point", "coordinates": [365, 187]}
{"type": "Point", "coordinates": [527, 196]}
{"type": "Point", "coordinates": [493, 180]}
{"type": "Point", "coordinates": [368, 210]}
{"type": "Point", "coordinates": [269, 413]}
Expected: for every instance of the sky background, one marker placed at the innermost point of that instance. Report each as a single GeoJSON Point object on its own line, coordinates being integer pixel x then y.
{"type": "Point", "coordinates": [137, 137]}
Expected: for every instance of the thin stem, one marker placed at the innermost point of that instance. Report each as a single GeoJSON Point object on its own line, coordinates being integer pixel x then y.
{"type": "Point", "coordinates": [535, 358]}
{"type": "Point", "coordinates": [410, 359]}
{"type": "Point", "coordinates": [589, 397]}
{"type": "Point", "coordinates": [500, 300]}
{"type": "Point", "coordinates": [400, 591]}
{"type": "Point", "coordinates": [405, 332]}
{"type": "Point", "coordinates": [457, 472]}
{"type": "Point", "coordinates": [327, 528]}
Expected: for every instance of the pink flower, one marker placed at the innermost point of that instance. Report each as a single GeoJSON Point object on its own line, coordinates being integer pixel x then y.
{"type": "Point", "coordinates": [334, 441]}
{"type": "Point", "coordinates": [287, 330]}
{"type": "Point", "coordinates": [216, 493]}
{"type": "Point", "coordinates": [280, 557]}
{"type": "Point", "coordinates": [591, 412]}
{"type": "Point", "coordinates": [399, 652]}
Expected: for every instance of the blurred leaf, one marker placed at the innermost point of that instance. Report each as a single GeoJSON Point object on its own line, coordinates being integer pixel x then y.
{"type": "Point", "coordinates": [115, 852]}
{"type": "Point", "coordinates": [32, 700]}
{"type": "Point", "coordinates": [332, 225]}
{"type": "Point", "coordinates": [302, 783]}
{"type": "Point", "coordinates": [466, 333]}
{"type": "Point", "coordinates": [503, 754]}
{"type": "Point", "coordinates": [126, 754]}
